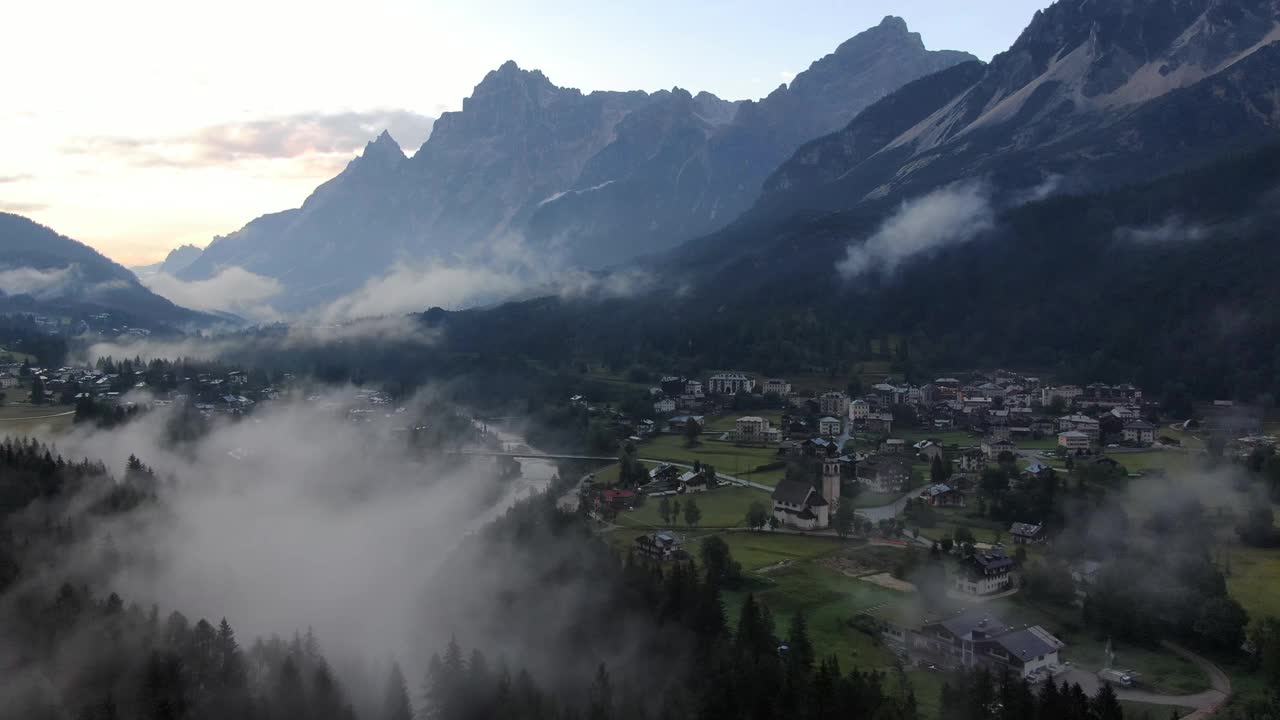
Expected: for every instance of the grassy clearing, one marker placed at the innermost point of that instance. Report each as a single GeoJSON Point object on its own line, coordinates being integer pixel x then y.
{"type": "Point", "coordinates": [1255, 576]}
{"type": "Point", "coordinates": [726, 457]}
{"type": "Point", "coordinates": [23, 419]}
{"type": "Point", "coordinates": [723, 507]}
{"type": "Point", "coordinates": [14, 356]}
{"type": "Point", "coordinates": [1169, 461]}
{"type": "Point", "coordinates": [830, 601]}
{"type": "Point", "coordinates": [762, 549]}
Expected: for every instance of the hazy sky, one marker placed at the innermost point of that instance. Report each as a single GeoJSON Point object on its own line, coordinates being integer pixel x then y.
{"type": "Point", "coordinates": [139, 125]}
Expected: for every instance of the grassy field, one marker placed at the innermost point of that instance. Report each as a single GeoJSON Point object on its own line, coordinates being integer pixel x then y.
{"type": "Point", "coordinates": [725, 506]}
{"type": "Point", "coordinates": [1254, 579]}
{"type": "Point", "coordinates": [726, 457]}
{"type": "Point", "coordinates": [26, 419]}
{"type": "Point", "coordinates": [762, 549]}
{"type": "Point", "coordinates": [1169, 461]}
{"type": "Point", "coordinates": [830, 601]}
{"type": "Point", "coordinates": [8, 356]}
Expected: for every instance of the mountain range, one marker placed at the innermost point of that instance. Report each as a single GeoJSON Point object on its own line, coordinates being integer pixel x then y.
{"type": "Point", "coordinates": [578, 179]}
{"type": "Point", "coordinates": [44, 272]}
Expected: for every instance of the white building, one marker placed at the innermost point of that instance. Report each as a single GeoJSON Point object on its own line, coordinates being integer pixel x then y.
{"type": "Point", "coordinates": [859, 410]}
{"type": "Point", "coordinates": [730, 384]}
{"type": "Point", "coordinates": [829, 426]}
{"type": "Point", "coordinates": [1140, 431]}
{"type": "Point", "coordinates": [777, 386]}
{"type": "Point", "coordinates": [833, 403]}
{"type": "Point", "coordinates": [1074, 440]}
{"type": "Point", "coordinates": [755, 429]}
{"type": "Point", "coordinates": [985, 573]}
{"type": "Point", "coordinates": [664, 405]}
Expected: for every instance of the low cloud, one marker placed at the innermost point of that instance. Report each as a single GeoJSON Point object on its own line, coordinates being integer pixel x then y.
{"type": "Point", "coordinates": [1173, 230]}
{"type": "Point", "coordinates": [414, 289]}
{"type": "Point", "coordinates": [948, 216]}
{"type": "Point", "coordinates": [233, 289]}
{"type": "Point", "coordinates": [310, 136]}
{"type": "Point", "coordinates": [15, 206]}
{"type": "Point", "coordinates": [19, 177]}
{"type": "Point", "coordinates": [40, 284]}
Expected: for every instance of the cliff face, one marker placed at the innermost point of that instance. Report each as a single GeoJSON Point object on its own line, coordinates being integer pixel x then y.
{"type": "Point", "coordinates": [588, 178]}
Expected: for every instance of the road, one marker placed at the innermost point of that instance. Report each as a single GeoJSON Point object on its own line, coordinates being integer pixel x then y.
{"type": "Point", "coordinates": [1206, 703]}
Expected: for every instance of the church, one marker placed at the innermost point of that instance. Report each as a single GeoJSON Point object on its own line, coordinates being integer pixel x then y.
{"type": "Point", "coordinates": [798, 504]}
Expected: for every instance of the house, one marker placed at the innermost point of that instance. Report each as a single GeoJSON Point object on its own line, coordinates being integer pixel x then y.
{"type": "Point", "coordinates": [1139, 431]}
{"type": "Point", "coordinates": [929, 449]}
{"type": "Point", "coordinates": [679, 422]}
{"type": "Point", "coordinates": [1230, 419]}
{"type": "Point", "coordinates": [755, 429]}
{"type": "Point", "coordinates": [694, 481]}
{"type": "Point", "coordinates": [894, 446]}
{"type": "Point", "coordinates": [664, 474]}
{"type": "Point", "coordinates": [972, 460]}
{"type": "Point", "coordinates": [1074, 440]}
{"type": "Point", "coordinates": [881, 423]}
{"type": "Point", "coordinates": [829, 426]}
{"type": "Point", "coordinates": [985, 573]}
{"type": "Point", "coordinates": [992, 448]}
{"type": "Point", "coordinates": [665, 405]}
{"type": "Point", "coordinates": [730, 383]}
{"type": "Point", "coordinates": [662, 545]}
{"type": "Point", "coordinates": [1026, 533]}
{"type": "Point", "coordinates": [797, 503]}
{"type": "Point", "coordinates": [975, 638]}
{"type": "Point", "coordinates": [1079, 423]}
{"type": "Point", "coordinates": [884, 474]}
{"type": "Point", "coordinates": [1068, 394]}
{"type": "Point", "coordinates": [833, 403]}
{"type": "Point", "coordinates": [942, 495]}
{"type": "Point", "coordinates": [859, 410]}
{"type": "Point", "coordinates": [1126, 412]}
{"type": "Point", "coordinates": [777, 386]}
{"type": "Point", "coordinates": [1037, 471]}
{"type": "Point", "coordinates": [615, 500]}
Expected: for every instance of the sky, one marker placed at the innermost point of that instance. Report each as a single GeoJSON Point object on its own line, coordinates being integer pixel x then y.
{"type": "Point", "coordinates": [141, 125]}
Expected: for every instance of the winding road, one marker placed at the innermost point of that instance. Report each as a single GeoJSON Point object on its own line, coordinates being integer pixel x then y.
{"type": "Point", "coordinates": [1206, 702]}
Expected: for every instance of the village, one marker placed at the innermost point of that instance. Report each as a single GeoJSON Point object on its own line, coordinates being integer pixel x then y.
{"type": "Point", "coordinates": [914, 525]}
{"type": "Point", "coordinates": [911, 521]}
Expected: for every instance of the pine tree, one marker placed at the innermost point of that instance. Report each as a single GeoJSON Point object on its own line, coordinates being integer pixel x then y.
{"type": "Point", "coordinates": [1105, 705]}
{"type": "Point", "coordinates": [800, 650]}
{"type": "Point", "coordinates": [600, 705]}
{"type": "Point", "coordinates": [395, 699]}
{"type": "Point", "coordinates": [692, 515]}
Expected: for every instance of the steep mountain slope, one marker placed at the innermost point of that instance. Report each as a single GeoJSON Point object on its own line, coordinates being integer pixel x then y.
{"type": "Point", "coordinates": [674, 174]}
{"type": "Point", "coordinates": [176, 261]}
{"type": "Point", "coordinates": [1097, 92]}
{"type": "Point", "coordinates": [579, 179]}
{"type": "Point", "coordinates": [1164, 283]}
{"type": "Point", "coordinates": [42, 271]}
